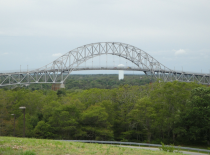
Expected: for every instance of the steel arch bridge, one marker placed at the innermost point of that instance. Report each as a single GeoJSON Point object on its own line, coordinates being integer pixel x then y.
{"type": "Point", "coordinates": [58, 70]}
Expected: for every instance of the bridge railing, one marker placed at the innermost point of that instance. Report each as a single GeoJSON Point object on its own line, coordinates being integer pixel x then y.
{"type": "Point", "coordinates": [137, 144]}
{"type": "Point", "coordinates": [15, 71]}
{"type": "Point", "coordinates": [76, 69]}
{"type": "Point", "coordinates": [190, 72]}
{"type": "Point", "coordinates": [109, 67]}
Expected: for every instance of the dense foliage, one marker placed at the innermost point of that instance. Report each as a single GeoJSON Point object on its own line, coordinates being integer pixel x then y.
{"type": "Point", "coordinates": [104, 81]}
{"type": "Point", "coordinates": [170, 112]}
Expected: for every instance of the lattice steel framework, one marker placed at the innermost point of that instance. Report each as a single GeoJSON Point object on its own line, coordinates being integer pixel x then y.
{"type": "Point", "coordinates": [58, 70]}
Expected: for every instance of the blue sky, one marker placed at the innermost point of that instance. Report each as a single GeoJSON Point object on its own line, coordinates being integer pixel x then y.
{"type": "Point", "coordinates": [175, 32]}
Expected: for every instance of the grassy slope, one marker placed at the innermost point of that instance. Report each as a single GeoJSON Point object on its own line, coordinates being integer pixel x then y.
{"type": "Point", "coordinates": [25, 146]}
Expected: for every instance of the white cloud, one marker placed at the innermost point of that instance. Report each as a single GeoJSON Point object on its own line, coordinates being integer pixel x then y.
{"type": "Point", "coordinates": [180, 52]}
{"type": "Point", "coordinates": [56, 54]}
{"type": "Point", "coordinates": [5, 53]}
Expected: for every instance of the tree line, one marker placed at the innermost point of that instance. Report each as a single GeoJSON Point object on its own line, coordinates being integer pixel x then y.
{"type": "Point", "coordinates": [82, 82]}
{"type": "Point", "coordinates": [172, 112]}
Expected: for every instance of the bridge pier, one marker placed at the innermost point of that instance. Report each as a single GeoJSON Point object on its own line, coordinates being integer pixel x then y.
{"type": "Point", "coordinates": [56, 86]}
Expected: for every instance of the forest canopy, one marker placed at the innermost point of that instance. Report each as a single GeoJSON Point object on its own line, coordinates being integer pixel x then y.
{"type": "Point", "coordinates": [172, 112]}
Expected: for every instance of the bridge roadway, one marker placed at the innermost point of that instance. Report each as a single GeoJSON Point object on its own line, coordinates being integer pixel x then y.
{"type": "Point", "coordinates": [106, 68]}
{"type": "Point", "coordinates": [50, 75]}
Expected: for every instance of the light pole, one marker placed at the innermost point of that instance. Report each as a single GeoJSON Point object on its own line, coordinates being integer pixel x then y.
{"type": "Point", "coordinates": [23, 120]}
{"type": "Point", "coordinates": [14, 124]}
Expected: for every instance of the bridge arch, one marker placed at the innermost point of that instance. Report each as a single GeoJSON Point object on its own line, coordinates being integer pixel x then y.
{"type": "Point", "coordinates": [58, 70]}
{"type": "Point", "coordinates": [83, 53]}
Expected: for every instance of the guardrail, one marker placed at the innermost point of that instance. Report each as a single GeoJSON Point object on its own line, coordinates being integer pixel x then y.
{"type": "Point", "coordinates": [137, 144]}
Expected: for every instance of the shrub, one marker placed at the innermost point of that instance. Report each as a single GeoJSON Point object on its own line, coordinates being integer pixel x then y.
{"type": "Point", "coordinates": [167, 148]}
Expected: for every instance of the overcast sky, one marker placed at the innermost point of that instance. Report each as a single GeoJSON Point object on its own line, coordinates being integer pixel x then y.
{"type": "Point", "coordinates": [35, 32]}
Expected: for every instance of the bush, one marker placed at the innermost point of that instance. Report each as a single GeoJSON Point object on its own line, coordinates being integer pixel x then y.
{"type": "Point", "coordinates": [167, 148]}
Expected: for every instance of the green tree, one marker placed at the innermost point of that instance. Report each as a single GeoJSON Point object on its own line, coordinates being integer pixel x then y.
{"type": "Point", "coordinates": [170, 100]}
{"type": "Point", "coordinates": [64, 120]}
{"type": "Point", "coordinates": [144, 113]}
{"type": "Point", "coordinates": [196, 119]}
{"type": "Point", "coordinates": [43, 130]}
{"type": "Point", "coordinates": [95, 123]}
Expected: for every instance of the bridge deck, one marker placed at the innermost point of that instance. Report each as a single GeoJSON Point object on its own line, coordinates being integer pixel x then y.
{"type": "Point", "coordinates": [108, 68]}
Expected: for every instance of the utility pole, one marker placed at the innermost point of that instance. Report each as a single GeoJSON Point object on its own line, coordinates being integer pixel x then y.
{"type": "Point", "coordinates": [23, 120]}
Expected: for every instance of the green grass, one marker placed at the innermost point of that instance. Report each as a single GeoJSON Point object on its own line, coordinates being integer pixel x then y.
{"type": "Point", "coordinates": [27, 146]}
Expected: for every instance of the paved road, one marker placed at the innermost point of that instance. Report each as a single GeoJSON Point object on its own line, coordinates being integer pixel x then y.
{"type": "Point", "coordinates": [157, 149]}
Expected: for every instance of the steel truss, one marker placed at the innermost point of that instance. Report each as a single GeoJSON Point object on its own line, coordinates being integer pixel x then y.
{"type": "Point", "coordinates": [58, 70]}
